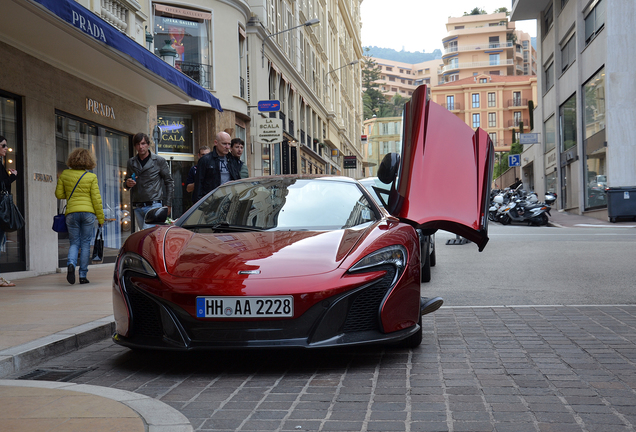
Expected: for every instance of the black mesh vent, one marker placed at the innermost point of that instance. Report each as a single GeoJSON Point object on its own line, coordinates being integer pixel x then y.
{"type": "Point", "coordinates": [145, 313]}
{"type": "Point", "coordinates": [364, 312]}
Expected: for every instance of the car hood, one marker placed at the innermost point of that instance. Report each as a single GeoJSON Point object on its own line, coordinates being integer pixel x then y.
{"type": "Point", "coordinates": [445, 173]}
{"type": "Point", "coordinates": [271, 254]}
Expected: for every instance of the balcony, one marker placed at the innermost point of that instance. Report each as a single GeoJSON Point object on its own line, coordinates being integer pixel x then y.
{"type": "Point", "coordinates": [476, 65]}
{"type": "Point", "coordinates": [516, 122]}
{"type": "Point", "coordinates": [454, 106]}
{"type": "Point", "coordinates": [198, 72]}
{"type": "Point", "coordinates": [517, 102]}
{"type": "Point", "coordinates": [115, 13]}
{"type": "Point", "coordinates": [478, 47]}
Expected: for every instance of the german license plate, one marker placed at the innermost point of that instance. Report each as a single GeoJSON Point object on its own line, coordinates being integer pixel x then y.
{"type": "Point", "coordinates": [245, 307]}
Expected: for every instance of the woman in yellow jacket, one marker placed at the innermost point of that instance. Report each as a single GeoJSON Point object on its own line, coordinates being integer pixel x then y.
{"type": "Point", "coordinates": [83, 207]}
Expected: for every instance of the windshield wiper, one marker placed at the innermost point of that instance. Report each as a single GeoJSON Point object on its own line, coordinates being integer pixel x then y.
{"type": "Point", "coordinates": [224, 226]}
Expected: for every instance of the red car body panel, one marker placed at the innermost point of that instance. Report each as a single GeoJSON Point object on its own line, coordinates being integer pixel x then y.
{"type": "Point", "coordinates": [445, 174]}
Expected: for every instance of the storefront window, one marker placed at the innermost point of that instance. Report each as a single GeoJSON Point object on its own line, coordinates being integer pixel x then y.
{"type": "Point", "coordinates": [12, 254]}
{"type": "Point", "coordinates": [175, 134]}
{"type": "Point", "coordinates": [187, 31]}
{"type": "Point", "coordinates": [567, 123]}
{"type": "Point", "coordinates": [594, 142]}
{"type": "Point", "coordinates": [111, 149]}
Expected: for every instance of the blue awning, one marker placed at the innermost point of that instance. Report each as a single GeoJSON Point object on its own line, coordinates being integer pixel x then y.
{"type": "Point", "coordinates": [95, 27]}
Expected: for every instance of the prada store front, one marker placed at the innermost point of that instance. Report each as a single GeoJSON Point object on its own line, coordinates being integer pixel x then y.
{"type": "Point", "coordinates": [64, 87]}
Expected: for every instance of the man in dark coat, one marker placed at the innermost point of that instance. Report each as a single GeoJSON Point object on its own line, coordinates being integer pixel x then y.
{"type": "Point", "coordinates": [215, 168]}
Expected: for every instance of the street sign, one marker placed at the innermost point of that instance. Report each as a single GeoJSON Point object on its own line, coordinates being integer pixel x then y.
{"type": "Point", "coordinates": [514, 160]}
{"type": "Point", "coordinates": [269, 105]}
{"type": "Point", "coordinates": [529, 138]}
{"type": "Point", "coordinates": [269, 130]}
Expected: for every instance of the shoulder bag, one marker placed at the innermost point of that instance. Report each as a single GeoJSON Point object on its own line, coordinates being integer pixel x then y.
{"type": "Point", "coordinates": [59, 220]}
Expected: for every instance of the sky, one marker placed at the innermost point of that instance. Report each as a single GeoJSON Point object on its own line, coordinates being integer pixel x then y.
{"type": "Point", "coordinates": [420, 25]}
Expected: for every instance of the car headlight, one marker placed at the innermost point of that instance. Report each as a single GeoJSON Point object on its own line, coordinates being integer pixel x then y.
{"type": "Point", "coordinates": [393, 255]}
{"type": "Point", "coordinates": [133, 262]}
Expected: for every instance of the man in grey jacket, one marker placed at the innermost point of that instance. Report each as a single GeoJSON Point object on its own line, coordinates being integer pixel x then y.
{"type": "Point", "coordinates": [146, 174]}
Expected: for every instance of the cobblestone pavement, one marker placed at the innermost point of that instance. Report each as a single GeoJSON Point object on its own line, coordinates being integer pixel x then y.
{"type": "Point", "coordinates": [542, 368]}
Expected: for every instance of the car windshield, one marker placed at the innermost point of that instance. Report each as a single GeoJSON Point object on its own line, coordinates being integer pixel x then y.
{"type": "Point", "coordinates": [283, 204]}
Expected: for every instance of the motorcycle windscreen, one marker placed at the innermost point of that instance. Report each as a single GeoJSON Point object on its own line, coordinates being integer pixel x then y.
{"type": "Point", "coordinates": [446, 171]}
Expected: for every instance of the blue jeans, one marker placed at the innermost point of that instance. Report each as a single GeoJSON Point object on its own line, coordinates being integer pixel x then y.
{"type": "Point", "coordinates": [140, 214]}
{"type": "Point", "coordinates": [80, 233]}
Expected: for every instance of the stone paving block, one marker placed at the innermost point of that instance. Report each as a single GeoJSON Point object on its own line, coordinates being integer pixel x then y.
{"type": "Point", "coordinates": [429, 427]}
{"type": "Point", "coordinates": [342, 426]}
{"type": "Point", "coordinates": [430, 416]}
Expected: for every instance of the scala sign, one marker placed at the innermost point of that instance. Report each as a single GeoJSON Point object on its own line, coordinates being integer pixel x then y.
{"type": "Point", "coordinates": [269, 130]}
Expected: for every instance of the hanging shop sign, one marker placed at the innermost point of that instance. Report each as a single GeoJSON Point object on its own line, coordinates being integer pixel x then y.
{"type": "Point", "coordinates": [349, 162]}
{"type": "Point", "coordinates": [175, 134]}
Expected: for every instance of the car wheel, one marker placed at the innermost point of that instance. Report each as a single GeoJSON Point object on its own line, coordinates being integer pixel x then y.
{"type": "Point", "coordinates": [414, 340]}
{"type": "Point", "coordinates": [426, 268]}
{"type": "Point", "coordinates": [432, 258]}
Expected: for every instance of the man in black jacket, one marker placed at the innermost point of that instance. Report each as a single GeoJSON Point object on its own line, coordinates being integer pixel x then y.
{"type": "Point", "coordinates": [215, 168]}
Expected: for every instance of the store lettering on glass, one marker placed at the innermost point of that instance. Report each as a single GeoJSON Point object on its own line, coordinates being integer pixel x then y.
{"type": "Point", "coordinates": [89, 27]}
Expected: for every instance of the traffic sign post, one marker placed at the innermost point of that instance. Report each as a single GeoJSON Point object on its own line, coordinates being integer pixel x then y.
{"type": "Point", "coordinates": [514, 160]}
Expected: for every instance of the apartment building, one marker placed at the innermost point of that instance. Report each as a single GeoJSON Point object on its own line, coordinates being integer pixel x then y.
{"type": "Point", "coordinates": [584, 110]}
{"type": "Point", "coordinates": [383, 135]}
{"type": "Point", "coordinates": [488, 44]}
{"type": "Point", "coordinates": [403, 78]}
{"type": "Point", "coordinates": [91, 74]}
{"type": "Point", "coordinates": [498, 104]}
{"type": "Point", "coordinates": [314, 71]}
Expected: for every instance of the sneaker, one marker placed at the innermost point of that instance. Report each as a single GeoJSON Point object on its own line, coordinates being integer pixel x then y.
{"type": "Point", "coordinates": [84, 280]}
{"type": "Point", "coordinates": [70, 274]}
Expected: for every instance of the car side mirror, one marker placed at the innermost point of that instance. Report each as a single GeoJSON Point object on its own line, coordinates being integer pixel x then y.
{"type": "Point", "coordinates": [157, 216]}
{"type": "Point", "coordinates": [388, 169]}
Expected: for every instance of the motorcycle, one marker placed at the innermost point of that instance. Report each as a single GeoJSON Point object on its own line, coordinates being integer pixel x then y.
{"type": "Point", "coordinates": [534, 213]}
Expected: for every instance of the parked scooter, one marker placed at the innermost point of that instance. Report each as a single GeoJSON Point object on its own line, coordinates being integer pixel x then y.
{"type": "Point", "coordinates": [520, 210]}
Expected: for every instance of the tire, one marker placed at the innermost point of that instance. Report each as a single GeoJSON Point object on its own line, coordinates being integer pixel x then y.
{"type": "Point", "coordinates": [432, 254]}
{"type": "Point", "coordinates": [433, 259]}
{"type": "Point", "coordinates": [505, 220]}
{"type": "Point", "coordinates": [544, 220]}
{"type": "Point", "coordinates": [414, 340]}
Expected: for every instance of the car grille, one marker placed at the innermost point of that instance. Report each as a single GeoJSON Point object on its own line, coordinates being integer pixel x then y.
{"type": "Point", "coordinates": [145, 314]}
{"type": "Point", "coordinates": [364, 313]}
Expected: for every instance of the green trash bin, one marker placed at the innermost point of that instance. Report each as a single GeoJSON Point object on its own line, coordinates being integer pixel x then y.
{"type": "Point", "coordinates": [621, 203]}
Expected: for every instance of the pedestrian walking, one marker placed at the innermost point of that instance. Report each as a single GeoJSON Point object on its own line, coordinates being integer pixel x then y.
{"type": "Point", "coordinates": [192, 174]}
{"type": "Point", "coordinates": [216, 168]}
{"type": "Point", "coordinates": [6, 178]}
{"type": "Point", "coordinates": [236, 150]}
{"type": "Point", "coordinates": [79, 187]}
{"type": "Point", "coordinates": [147, 174]}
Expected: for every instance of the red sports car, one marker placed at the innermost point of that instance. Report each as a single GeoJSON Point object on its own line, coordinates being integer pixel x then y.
{"type": "Point", "coordinates": [307, 261]}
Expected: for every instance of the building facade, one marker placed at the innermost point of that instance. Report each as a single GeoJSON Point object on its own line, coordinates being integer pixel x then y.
{"type": "Point", "coordinates": [383, 135]}
{"type": "Point", "coordinates": [488, 44]}
{"type": "Point", "coordinates": [498, 104]}
{"type": "Point", "coordinates": [314, 71]}
{"type": "Point", "coordinates": [403, 78]}
{"type": "Point", "coordinates": [585, 89]}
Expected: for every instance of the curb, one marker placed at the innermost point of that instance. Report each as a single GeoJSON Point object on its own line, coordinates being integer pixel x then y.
{"type": "Point", "coordinates": [158, 416]}
{"type": "Point", "coordinates": [21, 357]}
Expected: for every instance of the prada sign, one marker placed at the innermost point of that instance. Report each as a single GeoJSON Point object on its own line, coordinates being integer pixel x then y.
{"type": "Point", "coordinates": [100, 108]}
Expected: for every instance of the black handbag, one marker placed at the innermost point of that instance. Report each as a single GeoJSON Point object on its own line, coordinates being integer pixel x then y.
{"type": "Point", "coordinates": [98, 247]}
{"type": "Point", "coordinates": [10, 217]}
{"type": "Point", "coordinates": [59, 220]}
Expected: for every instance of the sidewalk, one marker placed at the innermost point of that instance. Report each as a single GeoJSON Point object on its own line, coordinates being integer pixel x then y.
{"type": "Point", "coordinates": [561, 219]}
{"type": "Point", "coordinates": [43, 317]}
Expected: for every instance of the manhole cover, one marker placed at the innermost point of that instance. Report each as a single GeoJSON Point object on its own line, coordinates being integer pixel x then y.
{"type": "Point", "coordinates": [55, 374]}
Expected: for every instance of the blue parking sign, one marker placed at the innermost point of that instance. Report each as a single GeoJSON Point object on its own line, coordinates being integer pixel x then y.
{"type": "Point", "coordinates": [514, 160]}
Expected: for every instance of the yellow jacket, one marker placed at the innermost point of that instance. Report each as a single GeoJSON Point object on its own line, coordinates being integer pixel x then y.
{"type": "Point", "coordinates": [86, 197]}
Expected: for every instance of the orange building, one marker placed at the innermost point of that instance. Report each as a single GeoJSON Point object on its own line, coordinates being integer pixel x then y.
{"type": "Point", "coordinates": [498, 104]}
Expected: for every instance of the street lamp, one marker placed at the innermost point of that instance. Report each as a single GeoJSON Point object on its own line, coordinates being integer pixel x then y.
{"type": "Point", "coordinates": [310, 23]}
{"type": "Point", "coordinates": [341, 67]}
{"type": "Point", "coordinates": [168, 53]}
{"type": "Point", "coordinates": [327, 89]}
